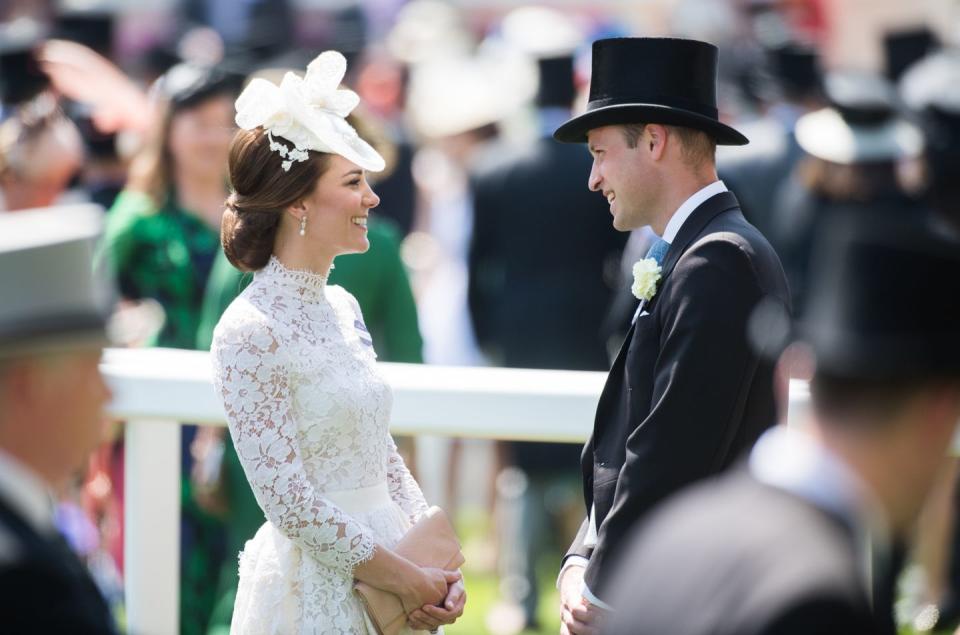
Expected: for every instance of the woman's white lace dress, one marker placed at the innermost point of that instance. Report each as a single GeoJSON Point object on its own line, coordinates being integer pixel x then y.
{"type": "Point", "coordinates": [308, 413]}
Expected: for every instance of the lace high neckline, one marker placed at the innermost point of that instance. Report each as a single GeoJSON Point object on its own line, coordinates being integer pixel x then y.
{"type": "Point", "coordinates": [307, 283]}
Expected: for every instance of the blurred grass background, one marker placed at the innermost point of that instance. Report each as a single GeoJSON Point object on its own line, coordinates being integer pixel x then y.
{"type": "Point", "coordinates": [476, 532]}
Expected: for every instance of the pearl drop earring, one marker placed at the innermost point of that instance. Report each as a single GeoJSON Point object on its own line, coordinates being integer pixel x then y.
{"type": "Point", "coordinates": [303, 225]}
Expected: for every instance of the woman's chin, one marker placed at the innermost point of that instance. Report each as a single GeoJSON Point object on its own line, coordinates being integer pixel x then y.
{"type": "Point", "coordinates": [359, 247]}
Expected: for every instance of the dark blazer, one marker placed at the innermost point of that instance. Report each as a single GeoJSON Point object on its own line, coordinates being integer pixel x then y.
{"type": "Point", "coordinates": [540, 244]}
{"type": "Point", "coordinates": [686, 395]}
{"type": "Point", "coordinates": [44, 588]}
{"type": "Point", "coordinates": [737, 557]}
{"type": "Point", "coordinates": [537, 293]}
{"type": "Point", "coordinates": [757, 171]}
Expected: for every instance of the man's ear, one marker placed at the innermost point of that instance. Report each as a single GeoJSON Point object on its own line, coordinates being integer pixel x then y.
{"type": "Point", "coordinates": [655, 138]}
{"type": "Point", "coordinates": [940, 409]}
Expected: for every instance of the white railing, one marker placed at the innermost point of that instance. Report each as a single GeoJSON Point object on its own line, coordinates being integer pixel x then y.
{"type": "Point", "coordinates": [156, 389]}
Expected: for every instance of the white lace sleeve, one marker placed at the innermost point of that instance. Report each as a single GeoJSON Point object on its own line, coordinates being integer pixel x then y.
{"type": "Point", "coordinates": [252, 379]}
{"type": "Point", "coordinates": [403, 488]}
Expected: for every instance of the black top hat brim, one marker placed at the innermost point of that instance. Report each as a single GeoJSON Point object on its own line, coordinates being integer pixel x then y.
{"type": "Point", "coordinates": [575, 130]}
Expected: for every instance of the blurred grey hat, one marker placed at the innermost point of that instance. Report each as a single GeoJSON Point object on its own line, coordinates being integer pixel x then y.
{"type": "Point", "coordinates": [52, 298]}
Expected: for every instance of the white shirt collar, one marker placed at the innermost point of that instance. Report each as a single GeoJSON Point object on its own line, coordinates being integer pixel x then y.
{"type": "Point", "coordinates": [26, 493]}
{"type": "Point", "coordinates": [683, 212]}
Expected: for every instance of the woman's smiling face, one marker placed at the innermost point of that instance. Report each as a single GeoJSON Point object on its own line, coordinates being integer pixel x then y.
{"type": "Point", "coordinates": [338, 209]}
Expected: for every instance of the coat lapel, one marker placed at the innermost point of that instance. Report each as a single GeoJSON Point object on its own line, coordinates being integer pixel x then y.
{"type": "Point", "coordinates": [693, 226]}
{"type": "Point", "coordinates": [690, 230]}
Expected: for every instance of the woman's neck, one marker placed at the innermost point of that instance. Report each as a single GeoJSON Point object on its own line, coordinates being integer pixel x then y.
{"type": "Point", "coordinates": [295, 252]}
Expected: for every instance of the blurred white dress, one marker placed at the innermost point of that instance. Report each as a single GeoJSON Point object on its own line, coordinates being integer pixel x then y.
{"type": "Point", "coordinates": [308, 413]}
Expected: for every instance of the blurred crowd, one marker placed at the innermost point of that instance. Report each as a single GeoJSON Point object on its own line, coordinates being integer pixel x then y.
{"type": "Point", "coordinates": [487, 248]}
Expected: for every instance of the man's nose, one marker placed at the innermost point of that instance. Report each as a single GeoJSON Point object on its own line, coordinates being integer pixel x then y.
{"type": "Point", "coordinates": [594, 181]}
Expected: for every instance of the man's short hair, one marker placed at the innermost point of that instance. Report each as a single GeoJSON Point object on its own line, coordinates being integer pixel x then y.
{"type": "Point", "coordinates": [697, 147]}
{"type": "Point", "coordinates": [843, 399]}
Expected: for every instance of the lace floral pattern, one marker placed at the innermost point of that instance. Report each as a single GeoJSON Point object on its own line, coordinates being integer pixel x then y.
{"type": "Point", "coordinates": [308, 413]}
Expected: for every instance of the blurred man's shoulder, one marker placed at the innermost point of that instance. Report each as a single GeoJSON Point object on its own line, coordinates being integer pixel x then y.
{"type": "Point", "coordinates": [12, 550]}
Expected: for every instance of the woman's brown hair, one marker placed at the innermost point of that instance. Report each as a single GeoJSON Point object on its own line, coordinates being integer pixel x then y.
{"type": "Point", "coordinates": [261, 192]}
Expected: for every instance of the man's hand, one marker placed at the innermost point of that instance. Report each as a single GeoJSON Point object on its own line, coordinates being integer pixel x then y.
{"type": "Point", "coordinates": [577, 615]}
{"type": "Point", "coordinates": [429, 617]}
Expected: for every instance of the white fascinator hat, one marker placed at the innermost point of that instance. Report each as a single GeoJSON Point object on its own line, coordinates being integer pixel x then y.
{"type": "Point", "coordinates": [309, 112]}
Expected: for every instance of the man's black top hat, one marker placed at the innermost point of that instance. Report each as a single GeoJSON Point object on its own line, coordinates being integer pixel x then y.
{"type": "Point", "coordinates": [882, 306]}
{"type": "Point", "coordinates": [652, 80]}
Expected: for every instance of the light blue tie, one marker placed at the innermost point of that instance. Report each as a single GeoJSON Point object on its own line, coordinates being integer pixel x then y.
{"type": "Point", "coordinates": [658, 250]}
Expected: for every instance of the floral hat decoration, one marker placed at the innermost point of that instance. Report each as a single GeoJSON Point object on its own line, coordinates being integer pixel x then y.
{"type": "Point", "coordinates": [309, 112]}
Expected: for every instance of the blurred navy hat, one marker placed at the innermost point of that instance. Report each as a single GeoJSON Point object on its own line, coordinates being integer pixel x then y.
{"type": "Point", "coordinates": [796, 68]}
{"type": "Point", "coordinates": [550, 37]}
{"type": "Point", "coordinates": [557, 86]}
{"type": "Point", "coordinates": [789, 70]}
{"type": "Point", "coordinates": [186, 85]}
{"type": "Point", "coordinates": [862, 124]}
{"type": "Point", "coordinates": [21, 78]}
{"type": "Point", "coordinates": [94, 27]}
{"type": "Point", "coordinates": [931, 89]}
{"type": "Point", "coordinates": [903, 48]}
{"type": "Point", "coordinates": [652, 80]}
{"type": "Point", "coordinates": [53, 300]}
{"type": "Point", "coordinates": [882, 305]}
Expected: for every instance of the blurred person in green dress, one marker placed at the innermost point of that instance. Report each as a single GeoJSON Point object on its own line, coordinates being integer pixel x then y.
{"type": "Point", "coordinates": [161, 240]}
{"type": "Point", "coordinates": [162, 233]}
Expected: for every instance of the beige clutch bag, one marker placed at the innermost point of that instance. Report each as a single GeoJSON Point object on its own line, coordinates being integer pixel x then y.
{"type": "Point", "coordinates": [429, 543]}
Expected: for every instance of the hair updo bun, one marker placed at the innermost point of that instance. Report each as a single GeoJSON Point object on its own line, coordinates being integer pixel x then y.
{"type": "Point", "coordinates": [261, 192]}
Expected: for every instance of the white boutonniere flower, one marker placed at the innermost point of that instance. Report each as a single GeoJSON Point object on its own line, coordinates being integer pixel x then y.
{"type": "Point", "coordinates": [646, 275]}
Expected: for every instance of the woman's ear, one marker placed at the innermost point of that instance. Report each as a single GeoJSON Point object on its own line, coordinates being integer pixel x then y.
{"type": "Point", "coordinates": [298, 209]}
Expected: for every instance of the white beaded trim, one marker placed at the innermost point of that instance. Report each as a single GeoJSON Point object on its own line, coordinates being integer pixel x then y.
{"type": "Point", "coordinates": [290, 154]}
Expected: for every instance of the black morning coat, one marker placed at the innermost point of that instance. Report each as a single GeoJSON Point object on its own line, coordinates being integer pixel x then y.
{"type": "Point", "coordinates": [44, 588]}
{"type": "Point", "coordinates": [686, 395]}
{"type": "Point", "coordinates": [738, 557]}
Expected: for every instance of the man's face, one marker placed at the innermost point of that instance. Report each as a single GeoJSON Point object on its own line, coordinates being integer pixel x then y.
{"type": "Point", "coordinates": [84, 393]}
{"type": "Point", "coordinates": [623, 175]}
{"type": "Point", "coordinates": [55, 412]}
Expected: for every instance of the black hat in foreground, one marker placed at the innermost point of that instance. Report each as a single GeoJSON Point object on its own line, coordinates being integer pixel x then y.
{"type": "Point", "coordinates": [883, 304]}
{"type": "Point", "coordinates": [652, 80]}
